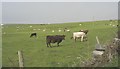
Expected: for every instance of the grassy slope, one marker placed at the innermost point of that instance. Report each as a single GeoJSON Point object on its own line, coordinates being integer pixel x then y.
{"type": "Point", "coordinates": [36, 53]}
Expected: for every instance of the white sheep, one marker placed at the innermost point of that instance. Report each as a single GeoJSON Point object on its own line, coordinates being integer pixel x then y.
{"type": "Point", "coordinates": [59, 30]}
{"type": "Point", "coordinates": [68, 30]}
{"type": "Point", "coordinates": [44, 30]}
{"type": "Point", "coordinates": [53, 31]}
{"type": "Point", "coordinates": [30, 26]}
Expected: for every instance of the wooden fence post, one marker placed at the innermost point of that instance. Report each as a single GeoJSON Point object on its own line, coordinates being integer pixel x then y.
{"type": "Point", "coordinates": [97, 40]}
{"type": "Point", "coordinates": [20, 56]}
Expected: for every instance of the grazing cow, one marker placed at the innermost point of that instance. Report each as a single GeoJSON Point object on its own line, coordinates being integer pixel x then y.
{"type": "Point", "coordinates": [81, 35]}
{"type": "Point", "coordinates": [33, 34]}
{"type": "Point", "coordinates": [54, 39]}
{"type": "Point", "coordinates": [85, 31]}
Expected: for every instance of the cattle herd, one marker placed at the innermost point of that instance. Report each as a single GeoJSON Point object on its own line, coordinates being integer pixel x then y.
{"type": "Point", "coordinates": [82, 35]}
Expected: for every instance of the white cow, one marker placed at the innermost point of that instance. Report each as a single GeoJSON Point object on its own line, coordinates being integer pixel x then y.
{"type": "Point", "coordinates": [79, 35]}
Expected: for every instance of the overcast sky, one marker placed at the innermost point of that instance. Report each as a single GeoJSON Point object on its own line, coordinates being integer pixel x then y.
{"type": "Point", "coordinates": [57, 12]}
{"type": "Point", "coordinates": [60, 0]}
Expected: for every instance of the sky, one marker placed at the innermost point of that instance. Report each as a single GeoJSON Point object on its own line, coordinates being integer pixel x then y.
{"type": "Point", "coordinates": [60, 0]}
{"type": "Point", "coordinates": [0, 12]}
{"type": "Point", "coordinates": [57, 12]}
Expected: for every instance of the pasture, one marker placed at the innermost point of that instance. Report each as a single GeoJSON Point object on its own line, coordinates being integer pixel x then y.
{"type": "Point", "coordinates": [36, 54]}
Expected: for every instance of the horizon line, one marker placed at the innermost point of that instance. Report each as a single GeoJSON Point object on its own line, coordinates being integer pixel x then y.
{"type": "Point", "coordinates": [59, 22]}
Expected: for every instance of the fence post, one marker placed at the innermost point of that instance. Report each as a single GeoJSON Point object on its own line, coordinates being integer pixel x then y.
{"type": "Point", "coordinates": [97, 40]}
{"type": "Point", "coordinates": [20, 56]}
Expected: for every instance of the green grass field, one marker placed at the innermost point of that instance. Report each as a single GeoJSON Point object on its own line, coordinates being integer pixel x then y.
{"type": "Point", "coordinates": [0, 46]}
{"type": "Point", "coordinates": [68, 54]}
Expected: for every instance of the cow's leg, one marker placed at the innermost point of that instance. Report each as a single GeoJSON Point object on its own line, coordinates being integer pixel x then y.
{"type": "Point", "coordinates": [58, 44]}
{"type": "Point", "coordinates": [86, 38]}
{"type": "Point", "coordinates": [75, 39]}
{"type": "Point", "coordinates": [47, 44]}
{"type": "Point", "coordinates": [82, 38]}
{"type": "Point", "coordinates": [50, 45]}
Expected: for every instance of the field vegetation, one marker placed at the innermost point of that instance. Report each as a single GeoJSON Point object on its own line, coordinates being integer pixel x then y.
{"type": "Point", "coordinates": [16, 37]}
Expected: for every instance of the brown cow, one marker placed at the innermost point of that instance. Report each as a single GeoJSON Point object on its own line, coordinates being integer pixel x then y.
{"type": "Point", "coordinates": [85, 31]}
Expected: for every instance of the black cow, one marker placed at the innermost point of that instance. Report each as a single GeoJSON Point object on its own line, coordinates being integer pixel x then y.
{"type": "Point", "coordinates": [33, 34]}
{"type": "Point", "coordinates": [54, 39]}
